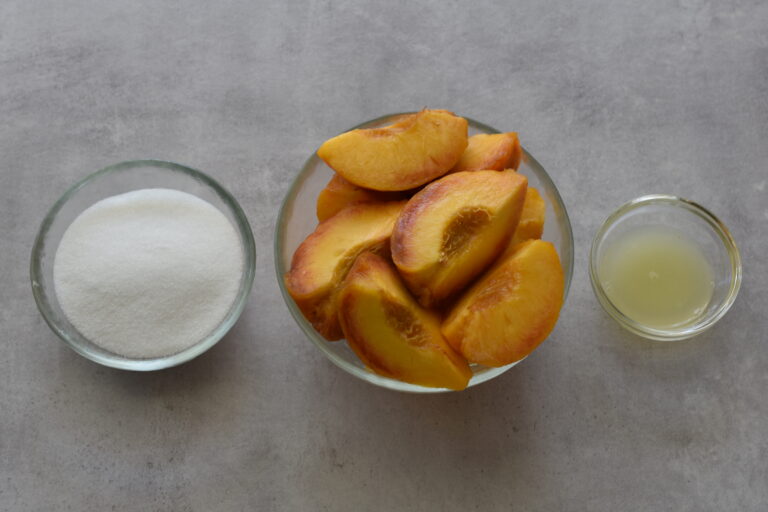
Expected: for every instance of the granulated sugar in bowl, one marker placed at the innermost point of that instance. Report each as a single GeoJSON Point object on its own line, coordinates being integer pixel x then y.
{"type": "Point", "coordinates": [148, 273]}
{"type": "Point", "coordinates": [143, 265]}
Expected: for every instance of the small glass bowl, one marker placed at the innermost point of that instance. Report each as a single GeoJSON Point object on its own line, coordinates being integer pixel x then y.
{"type": "Point", "coordinates": [297, 219]}
{"type": "Point", "coordinates": [700, 227]}
{"type": "Point", "coordinates": [118, 179]}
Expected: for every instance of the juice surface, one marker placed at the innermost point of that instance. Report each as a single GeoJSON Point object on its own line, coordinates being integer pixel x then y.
{"type": "Point", "coordinates": [656, 277]}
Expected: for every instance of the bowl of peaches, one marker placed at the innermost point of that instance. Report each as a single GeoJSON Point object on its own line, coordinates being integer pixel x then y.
{"type": "Point", "coordinates": [424, 251]}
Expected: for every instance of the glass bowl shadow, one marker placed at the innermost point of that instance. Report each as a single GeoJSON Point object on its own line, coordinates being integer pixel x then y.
{"type": "Point", "coordinates": [297, 219]}
{"type": "Point", "coordinates": [693, 222]}
{"type": "Point", "coordinates": [118, 179]}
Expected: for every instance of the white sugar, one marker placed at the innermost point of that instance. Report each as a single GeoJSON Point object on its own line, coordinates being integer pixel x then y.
{"type": "Point", "coordinates": [148, 273]}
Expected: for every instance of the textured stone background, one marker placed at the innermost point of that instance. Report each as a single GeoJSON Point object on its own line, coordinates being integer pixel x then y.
{"type": "Point", "coordinates": [615, 98]}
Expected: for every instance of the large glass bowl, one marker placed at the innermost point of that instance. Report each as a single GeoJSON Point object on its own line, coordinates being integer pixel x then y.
{"type": "Point", "coordinates": [297, 219]}
{"type": "Point", "coordinates": [118, 179]}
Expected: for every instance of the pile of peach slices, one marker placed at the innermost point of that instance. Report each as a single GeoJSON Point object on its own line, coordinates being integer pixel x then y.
{"type": "Point", "coordinates": [428, 255]}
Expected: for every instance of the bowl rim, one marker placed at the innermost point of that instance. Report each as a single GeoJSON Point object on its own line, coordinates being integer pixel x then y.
{"type": "Point", "coordinates": [156, 363]}
{"type": "Point", "coordinates": [718, 227]}
{"type": "Point", "coordinates": [365, 374]}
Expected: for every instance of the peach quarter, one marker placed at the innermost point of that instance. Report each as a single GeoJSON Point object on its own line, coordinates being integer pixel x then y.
{"type": "Point", "coordinates": [491, 151]}
{"type": "Point", "coordinates": [391, 333]}
{"type": "Point", "coordinates": [407, 154]}
{"type": "Point", "coordinates": [511, 309]}
{"type": "Point", "coordinates": [531, 223]}
{"type": "Point", "coordinates": [323, 259]}
{"type": "Point", "coordinates": [453, 229]}
{"type": "Point", "coordinates": [339, 193]}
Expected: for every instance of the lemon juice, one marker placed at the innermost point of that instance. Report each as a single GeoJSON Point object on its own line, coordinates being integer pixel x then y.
{"type": "Point", "coordinates": [656, 277]}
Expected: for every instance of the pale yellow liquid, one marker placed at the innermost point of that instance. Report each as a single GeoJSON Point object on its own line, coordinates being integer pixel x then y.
{"type": "Point", "coordinates": [656, 277]}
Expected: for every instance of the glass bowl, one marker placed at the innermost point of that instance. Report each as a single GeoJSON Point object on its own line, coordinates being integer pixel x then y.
{"type": "Point", "coordinates": [694, 223]}
{"type": "Point", "coordinates": [118, 179]}
{"type": "Point", "coordinates": [297, 219]}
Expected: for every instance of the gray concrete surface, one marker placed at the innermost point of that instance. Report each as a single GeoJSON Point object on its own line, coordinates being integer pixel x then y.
{"type": "Point", "coordinates": [616, 99]}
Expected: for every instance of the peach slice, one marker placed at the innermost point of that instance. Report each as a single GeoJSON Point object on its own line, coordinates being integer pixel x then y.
{"type": "Point", "coordinates": [323, 259]}
{"type": "Point", "coordinates": [339, 193]}
{"type": "Point", "coordinates": [495, 151]}
{"type": "Point", "coordinates": [531, 223]}
{"type": "Point", "coordinates": [453, 228]}
{"type": "Point", "coordinates": [511, 309]}
{"type": "Point", "coordinates": [390, 333]}
{"type": "Point", "coordinates": [411, 152]}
